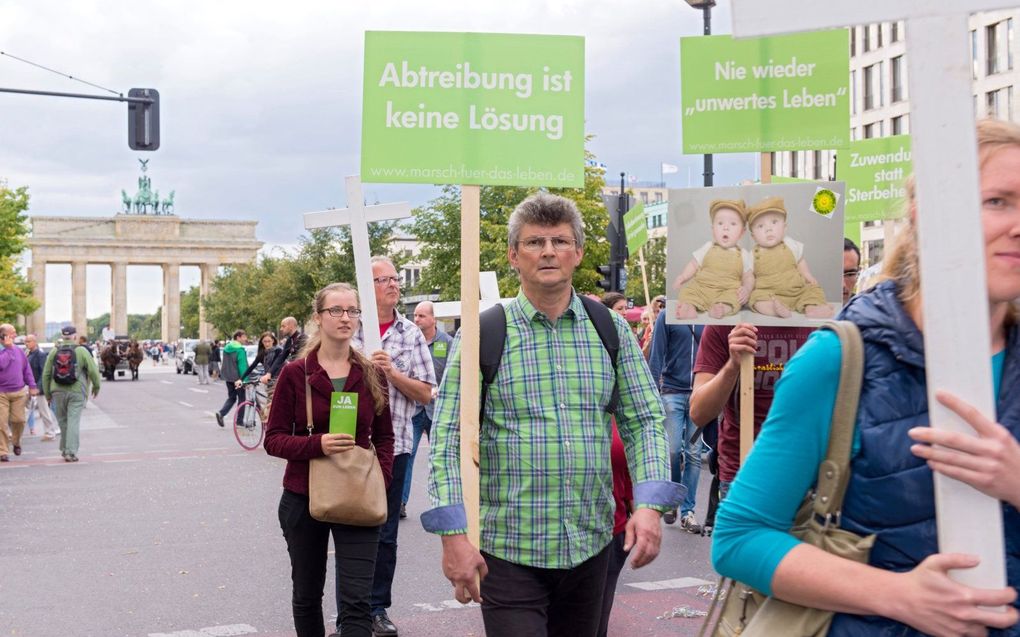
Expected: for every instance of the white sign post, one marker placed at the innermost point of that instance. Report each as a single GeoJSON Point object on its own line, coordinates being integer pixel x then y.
{"type": "Point", "coordinates": [953, 276]}
{"type": "Point", "coordinates": [357, 215]}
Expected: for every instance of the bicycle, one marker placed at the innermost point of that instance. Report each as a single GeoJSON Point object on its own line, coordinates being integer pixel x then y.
{"type": "Point", "coordinates": [248, 425]}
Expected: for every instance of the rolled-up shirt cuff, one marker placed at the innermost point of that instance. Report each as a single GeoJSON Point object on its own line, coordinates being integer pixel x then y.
{"type": "Point", "coordinates": [445, 520]}
{"type": "Point", "coordinates": [661, 495]}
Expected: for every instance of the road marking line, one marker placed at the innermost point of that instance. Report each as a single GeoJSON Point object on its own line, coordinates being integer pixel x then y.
{"type": "Point", "coordinates": [123, 460]}
{"type": "Point", "coordinates": [681, 582]}
{"type": "Point", "coordinates": [179, 457]}
{"type": "Point", "coordinates": [201, 391]}
{"type": "Point", "coordinates": [213, 449]}
{"type": "Point", "coordinates": [185, 404]}
{"type": "Point", "coordinates": [167, 382]}
{"type": "Point", "coordinates": [212, 631]}
{"type": "Point", "coordinates": [9, 465]}
{"type": "Point", "coordinates": [445, 605]}
{"type": "Point", "coordinates": [110, 453]}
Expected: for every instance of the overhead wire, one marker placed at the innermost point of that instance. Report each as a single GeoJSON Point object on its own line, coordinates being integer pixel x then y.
{"type": "Point", "coordinates": [61, 73]}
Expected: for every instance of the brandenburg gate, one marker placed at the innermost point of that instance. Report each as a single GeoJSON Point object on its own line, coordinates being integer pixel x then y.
{"type": "Point", "coordinates": [140, 238]}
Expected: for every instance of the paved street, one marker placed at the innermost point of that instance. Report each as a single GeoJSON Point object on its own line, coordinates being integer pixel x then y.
{"type": "Point", "coordinates": [167, 527]}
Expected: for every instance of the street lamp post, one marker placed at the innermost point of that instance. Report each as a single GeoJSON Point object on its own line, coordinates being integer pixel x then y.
{"type": "Point", "coordinates": [706, 12]}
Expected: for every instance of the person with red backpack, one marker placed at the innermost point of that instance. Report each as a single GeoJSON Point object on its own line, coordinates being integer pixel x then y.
{"type": "Point", "coordinates": [68, 372]}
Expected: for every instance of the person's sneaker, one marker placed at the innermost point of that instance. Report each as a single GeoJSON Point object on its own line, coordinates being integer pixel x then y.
{"type": "Point", "coordinates": [72, 458]}
{"type": "Point", "coordinates": [219, 419]}
{"type": "Point", "coordinates": [669, 517]}
{"type": "Point", "coordinates": [17, 450]}
{"type": "Point", "coordinates": [4, 459]}
{"type": "Point", "coordinates": [706, 530]}
{"type": "Point", "coordinates": [382, 626]}
{"type": "Point", "coordinates": [403, 510]}
{"type": "Point", "coordinates": [690, 523]}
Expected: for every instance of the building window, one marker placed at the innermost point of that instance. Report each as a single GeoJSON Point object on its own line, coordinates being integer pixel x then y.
{"type": "Point", "coordinates": [866, 38]}
{"type": "Point", "coordinates": [853, 41]}
{"type": "Point", "coordinates": [1000, 103]}
{"type": "Point", "coordinates": [874, 250]}
{"type": "Point", "coordinates": [873, 130]}
{"type": "Point", "coordinates": [853, 92]}
{"type": "Point", "coordinates": [997, 47]}
{"type": "Point", "coordinates": [1009, 44]}
{"type": "Point", "coordinates": [644, 197]}
{"type": "Point", "coordinates": [658, 196]}
{"type": "Point", "coordinates": [894, 32]}
{"type": "Point", "coordinates": [899, 125]}
{"type": "Point", "coordinates": [873, 86]}
{"type": "Point", "coordinates": [973, 55]}
{"type": "Point", "coordinates": [816, 157]}
{"type": "Point", "coordinates": [793, 164]}
{"type": "Point", "coordinates": [878, 34]}
{"type": "Point", "coordinates": [899, 79]}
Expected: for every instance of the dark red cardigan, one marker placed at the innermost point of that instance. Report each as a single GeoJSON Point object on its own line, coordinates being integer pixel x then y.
{"type": "Point", "coordinates": [287, 415]}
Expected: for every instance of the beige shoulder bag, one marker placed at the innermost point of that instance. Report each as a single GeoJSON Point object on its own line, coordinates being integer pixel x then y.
{"type": "Point", "coordinates": [747, 612]}
{"type": "Point", "coordinates": [345, 488]}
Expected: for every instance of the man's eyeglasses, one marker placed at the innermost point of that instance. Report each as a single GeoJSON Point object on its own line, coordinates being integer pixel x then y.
{"type": "Point", "coordinates": [851, 274]}
{"type": "Point", "coordinates": [337, 312]}
{"type": "Point", "coordinates": [383, 280]}
{"type": "Point", "coordinates": [537, 244]}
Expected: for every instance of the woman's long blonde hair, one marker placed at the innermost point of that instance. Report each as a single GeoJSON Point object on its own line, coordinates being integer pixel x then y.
{"type": "Point", "coordinates": [371, 374]}
{"type": "Point", "coordinates": [902, 263]}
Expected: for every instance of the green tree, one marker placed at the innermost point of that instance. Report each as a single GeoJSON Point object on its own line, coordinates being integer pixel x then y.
{"type": "Point", "coordinates": [257, 295]}
{"type": "Point", "coordinates": [189, 313]}
{"type": "Point", "coordinates": [437, 228]}
{"type": "Point", "coordinates": [655, 268]}
{"type": "Point", "coordinates": [15, 291]}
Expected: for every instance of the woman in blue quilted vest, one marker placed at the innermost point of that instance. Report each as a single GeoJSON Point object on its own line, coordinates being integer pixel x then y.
{"type": "Point", "coordinates": [904, 589]}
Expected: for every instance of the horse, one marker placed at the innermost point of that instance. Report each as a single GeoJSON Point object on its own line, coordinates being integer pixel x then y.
{"type": "Point", "coordinates": [135, 358]}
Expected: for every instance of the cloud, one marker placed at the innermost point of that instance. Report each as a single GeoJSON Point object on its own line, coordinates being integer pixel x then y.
{"type": "Point", "coordinates": [261, 101]}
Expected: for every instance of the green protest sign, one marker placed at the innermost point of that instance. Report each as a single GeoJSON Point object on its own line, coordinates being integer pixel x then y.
{"type": "Point", "coordinates": [473, 108]}
{"type": "Point", "coordinates": [875, 171]}
{"type": "Point", "coordinates": [765, 94]}
{"type": "Point", "coordinates": [635, 227]}
{"type": "Point", "coordinates": [343, 413]}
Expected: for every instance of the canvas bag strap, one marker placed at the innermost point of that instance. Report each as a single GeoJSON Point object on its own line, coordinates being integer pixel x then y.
{"type": "Point", "coordinates": [834, 471]}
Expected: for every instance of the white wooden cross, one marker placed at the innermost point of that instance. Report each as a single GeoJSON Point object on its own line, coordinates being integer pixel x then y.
{"type": "Point", "coordinates": [488, 286]}
{"type": "Point", "coordinates": [357, 215]}
{"type": "Point", "coordinates": [955, 302]}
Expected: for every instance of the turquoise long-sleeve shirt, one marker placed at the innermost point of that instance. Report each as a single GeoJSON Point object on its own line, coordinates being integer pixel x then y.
{"type": "Point", "coordinates": [752, 528]}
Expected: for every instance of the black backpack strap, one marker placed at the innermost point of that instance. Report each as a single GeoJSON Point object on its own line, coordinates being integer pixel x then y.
{"type": "Point", "coordinates": [492, 339]}
{"type": "Point", "coordinates": [601, 316]}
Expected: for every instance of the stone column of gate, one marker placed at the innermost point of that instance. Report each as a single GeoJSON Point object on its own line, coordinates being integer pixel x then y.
{"type": "Point", "coordinates": [118, 300]}
{"type": "Point", "coordinates": [78, 317]}
{"type": "Point", "coordinates": [205, 330]}
{"type": "Point", "coordinates": [37, 321]}
{"type": "Point", "coordinates": [171, 302]}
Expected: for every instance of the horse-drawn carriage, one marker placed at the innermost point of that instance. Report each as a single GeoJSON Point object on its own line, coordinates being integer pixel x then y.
{"type": "Point", "coordinates": [118, 356]}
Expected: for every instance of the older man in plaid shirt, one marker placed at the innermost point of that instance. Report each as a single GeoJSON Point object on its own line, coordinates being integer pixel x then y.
{"type": "Point", "coordinates": [546, 479]}
{"type": "Point", "coordinates": [407, 363]}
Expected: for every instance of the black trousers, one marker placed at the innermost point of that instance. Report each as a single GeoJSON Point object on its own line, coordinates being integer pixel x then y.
{"type": "Point", "coordinates": [525, 601]}
{"type": "Point", "coordinates": [308, 543]}
{"type": "Point", "coordinates": [617, 560]}
{"type": "Point", "coordinates": [233, 395]}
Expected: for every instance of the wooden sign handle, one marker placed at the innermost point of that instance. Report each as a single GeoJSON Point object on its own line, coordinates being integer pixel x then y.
{"type": "Point", "coordinates": [746, 405]}
{"type": "Point", "coordinates": [470, 329]}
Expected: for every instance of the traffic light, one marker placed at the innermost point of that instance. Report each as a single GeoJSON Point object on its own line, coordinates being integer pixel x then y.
{"type": "Point", "coordinates": [143, 120]}
{"type": "Point", "coordinates": [608, 280]}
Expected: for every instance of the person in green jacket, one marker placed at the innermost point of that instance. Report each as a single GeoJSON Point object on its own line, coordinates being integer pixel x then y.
{"type": "Point", "coordinates": [235, 364]}
{"type": "Point", "coordinates": [65, 385]}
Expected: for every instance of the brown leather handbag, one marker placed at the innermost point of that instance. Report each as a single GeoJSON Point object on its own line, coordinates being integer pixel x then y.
{"type": "Point", "coordinates": [347, 487]}
{"type": "Point", "coordinates": [749, 613]}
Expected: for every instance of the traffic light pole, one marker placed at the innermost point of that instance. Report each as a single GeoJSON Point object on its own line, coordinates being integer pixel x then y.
{"type": "Point", "coordinates": [143, 112]}
{"type": "Point", "coordinates": [619, 261]}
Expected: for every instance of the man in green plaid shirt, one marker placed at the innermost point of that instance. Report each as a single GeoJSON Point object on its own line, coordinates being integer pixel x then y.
{"type": "Point", "coordinates": [546, 479]}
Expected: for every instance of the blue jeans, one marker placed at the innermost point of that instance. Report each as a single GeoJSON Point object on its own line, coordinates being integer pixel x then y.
{"type": "Point", "coordinates": [684, 456]}
{"type": "Point", "coordinates": [420, 424]}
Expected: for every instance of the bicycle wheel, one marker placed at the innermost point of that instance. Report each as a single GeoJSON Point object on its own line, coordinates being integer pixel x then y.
{"type": "Point", "coordinates": [248, 427]}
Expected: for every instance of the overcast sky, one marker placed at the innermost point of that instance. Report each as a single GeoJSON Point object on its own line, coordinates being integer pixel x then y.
{"type": "Point", "coordinates": [261, 104]}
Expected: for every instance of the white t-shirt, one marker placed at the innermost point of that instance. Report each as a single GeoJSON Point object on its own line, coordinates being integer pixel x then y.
{"type": "Point", "coordinates": [745, 255]}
